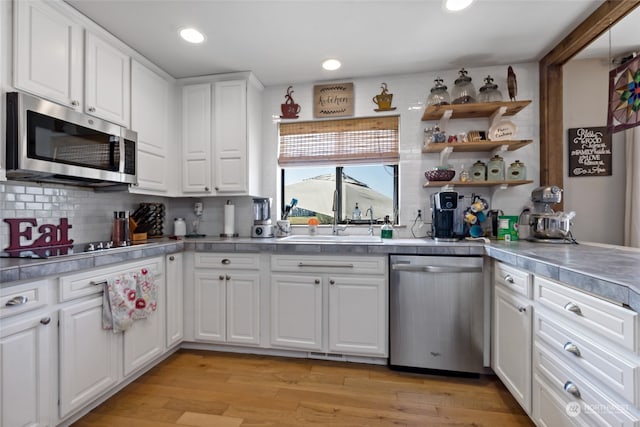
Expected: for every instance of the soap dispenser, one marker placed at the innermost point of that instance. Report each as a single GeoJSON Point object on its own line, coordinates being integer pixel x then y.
{"type": "Point", "coordinates": [386, 231]}
{"type": "Point", "coordinates": [356, 212]}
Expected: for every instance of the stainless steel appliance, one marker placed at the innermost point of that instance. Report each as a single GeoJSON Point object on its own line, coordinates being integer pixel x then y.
{"type": "Point", "coordinates": [262, 226]}
{"type": "Point", "coordinates": [443, 207]}
{"type": "Point", "coordinates": [438, 318]}
{"type": "Point", "coordinates": [540, 223]}
{"type": "Point", "coordinates": [47, 142]}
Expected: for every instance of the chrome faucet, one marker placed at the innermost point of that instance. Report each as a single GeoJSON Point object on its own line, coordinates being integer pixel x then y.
{"type": "Point", "coordinates": [370, 212]}
{"type": "Point", "coordinates": [335, 229]}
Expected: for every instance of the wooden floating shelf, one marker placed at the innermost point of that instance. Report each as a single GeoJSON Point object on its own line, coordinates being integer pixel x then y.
{"type": "Point", "coordinates": [473, 111]}
{"type": "Point", "coordinates": [476, 146]}
{"type": "Point", "coordinates": [476, 183]}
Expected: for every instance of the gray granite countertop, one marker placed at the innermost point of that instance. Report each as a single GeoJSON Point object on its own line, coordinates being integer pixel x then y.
{"type": "Point", "coordinates": [608, 271]}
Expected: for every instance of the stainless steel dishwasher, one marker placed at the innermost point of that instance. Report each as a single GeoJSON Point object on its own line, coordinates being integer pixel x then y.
{"type": "Point", "coordinates": [438, 319]}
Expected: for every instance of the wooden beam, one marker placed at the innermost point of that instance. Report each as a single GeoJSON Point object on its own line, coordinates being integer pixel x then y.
{"type": "Point", "coordinates": [551, 103]}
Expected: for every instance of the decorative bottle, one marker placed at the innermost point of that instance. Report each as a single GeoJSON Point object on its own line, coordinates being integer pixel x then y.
{"type": "Point", "coordinates": [356, 212]}
{"type": "Point", "coordinates": [386, 231]}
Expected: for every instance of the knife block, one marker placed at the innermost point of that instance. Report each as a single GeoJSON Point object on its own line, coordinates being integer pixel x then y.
{"type": "Point", "coordinates": [136, 237]}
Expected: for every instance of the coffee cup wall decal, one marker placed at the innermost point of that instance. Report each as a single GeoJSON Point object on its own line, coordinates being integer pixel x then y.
{"type": "Point", "coordinates": [289, 109]}
{"type": "Point", "coordinates": [383, 100]}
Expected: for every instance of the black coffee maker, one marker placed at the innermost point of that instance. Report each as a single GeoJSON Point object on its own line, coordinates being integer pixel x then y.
{"type": "Point", "coordinates": [443, 208]}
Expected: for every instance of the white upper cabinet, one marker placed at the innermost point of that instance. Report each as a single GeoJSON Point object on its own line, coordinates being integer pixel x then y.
{"type": "Point", "coordinates": [107, 81]}
{"type": "Point", "coordinates": [49, 57]}
{"type": "Point", "coordinates": [150, 94]}
{"type": "Point", "coordinates": [48, 53]}
{"type": "Point", "coordinates": [230, 147]}
{"type": "Point", "coordinates": [196, 139]}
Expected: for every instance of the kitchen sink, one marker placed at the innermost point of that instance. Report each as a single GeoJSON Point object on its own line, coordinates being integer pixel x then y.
{"type": "Point", "coordinates": [331, 239]}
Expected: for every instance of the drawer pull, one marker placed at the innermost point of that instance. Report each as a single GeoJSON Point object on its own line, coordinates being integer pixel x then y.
{"type": "Point", "coordinates": [574, 308]}
{"type": "Point", "coordinates": [226, 261]}
{"type": "Point", "coordinates": [572, 389]}
{"type": "Point", "coordinates": [104, 282]}
{"type": "Point", "coordinates": [45, 320]}
{"type": "Point", "coordinates": [509, 279]}
{"type": "Point", "coordinates": [572, 348]}
{"type": "Point", "coordinates": [19, 300]}
{"type": "Point", "coordinates": [522, 309]}
{"type": "Point", "coordinates": [302, 264]}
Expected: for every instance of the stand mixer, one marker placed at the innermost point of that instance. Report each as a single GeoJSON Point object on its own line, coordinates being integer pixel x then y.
{"type": "Point", "coordinates": [540, 223]}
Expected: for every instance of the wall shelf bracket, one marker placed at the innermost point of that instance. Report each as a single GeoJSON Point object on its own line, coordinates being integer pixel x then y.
{"type": "Point", "coordinates": [444, 120]}
{"type": "Point", "coordinates": [500, 149]}
{"type": "Point", "coordinates": [497, 116]}
{"type": "Point", "coordinates": [444, 155]}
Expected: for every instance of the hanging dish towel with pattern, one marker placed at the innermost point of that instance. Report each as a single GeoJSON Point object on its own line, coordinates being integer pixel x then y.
{"type": "Point", "coordinates": [128, 297]}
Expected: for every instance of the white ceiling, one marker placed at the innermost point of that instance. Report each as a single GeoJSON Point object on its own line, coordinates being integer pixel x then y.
{"type": "Point", "coordinates": [284, 42]}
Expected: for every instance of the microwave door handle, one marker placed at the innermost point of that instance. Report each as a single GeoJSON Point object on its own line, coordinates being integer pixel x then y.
{"type": "Point", "coordinates": [122, 154]}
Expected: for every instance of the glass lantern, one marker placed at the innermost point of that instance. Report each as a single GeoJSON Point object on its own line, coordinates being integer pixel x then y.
{"type": "Point", "coordinates": [489, 92]}
{"type": "Point", "coordinates": [439, 94]}
{"type": "Point", "coordinates": [463, 91]}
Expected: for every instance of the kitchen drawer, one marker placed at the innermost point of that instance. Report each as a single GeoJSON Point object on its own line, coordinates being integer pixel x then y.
{"type": "Point", "coordinates": [21, 298]}
{"type": "Point", "coordinates": [92, 281]}
{"type": "Point", "coordinates": [607, 319]}
{"type": "Point", "coordinates": [519, 281]}
{"type": "Point", "coordinates": [330, 264]}
{"type": "Point", "coordinates": [619, 373]}
{"type": "Point", "coordinates": [594, 403]}
{"type": "Point", "coordinates": [551, 410]}
{"type": "Point", "coordinates": [223, 260]}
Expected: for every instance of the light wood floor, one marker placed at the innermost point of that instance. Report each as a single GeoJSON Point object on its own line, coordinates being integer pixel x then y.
{"type": "Point", "coordinates": [198, 388]}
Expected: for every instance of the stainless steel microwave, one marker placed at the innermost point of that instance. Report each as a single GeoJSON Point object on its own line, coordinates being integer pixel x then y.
{"type": "Point", "coordinates": [47, 142]}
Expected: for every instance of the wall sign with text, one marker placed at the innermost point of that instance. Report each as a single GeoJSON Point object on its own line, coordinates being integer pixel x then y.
{"type": "Point", "coordinates": [333, 100]}
{"type": "Point", "coordinates": [589, 151]}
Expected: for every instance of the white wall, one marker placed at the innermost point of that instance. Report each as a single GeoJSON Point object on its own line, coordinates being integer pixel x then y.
{"type": "Point", "coordinates": [409, 95]}
{"type": "Point", "coordinates": [597, 201]}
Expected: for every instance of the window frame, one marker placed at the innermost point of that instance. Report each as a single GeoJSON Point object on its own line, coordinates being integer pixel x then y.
{"type": "Point", "coordinates": [338, 172]}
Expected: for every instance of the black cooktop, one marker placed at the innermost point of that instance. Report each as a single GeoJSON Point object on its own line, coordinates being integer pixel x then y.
{"type": "Point", "coordinates": [54, 251]}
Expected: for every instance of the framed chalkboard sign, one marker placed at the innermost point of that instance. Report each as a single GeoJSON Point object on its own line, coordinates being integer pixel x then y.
{"type": "Point", "coordinates": [589, 151]}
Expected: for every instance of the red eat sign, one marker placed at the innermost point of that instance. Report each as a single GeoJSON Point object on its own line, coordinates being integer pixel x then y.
{"type": "Point", "coordinates": [49, 234]}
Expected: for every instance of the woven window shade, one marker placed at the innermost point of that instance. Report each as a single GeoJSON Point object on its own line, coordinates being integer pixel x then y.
{"type": "Point", "coordinates": [341, 142]}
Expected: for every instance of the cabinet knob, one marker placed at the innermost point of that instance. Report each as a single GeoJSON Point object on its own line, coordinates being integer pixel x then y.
{"type": "Point", "coordinates": [216, 188]}
{"type": "Point", "coordinates": [228, 277]}
{"type": "Point", "coordinates": [317, 281]}
{"type": "Point", "coordinates": [92, 109]}
{"type": "Point", "coordinates": [206, 188]}
{"type": "Point", "coordinates": [226, 261]}
{"type": "Point", "coordinates": [45, 320]}
{"type": "Point", "coordinates": [522, 309]}
{"type": "Point", "coordinates": [75, 103]}
{"type": "Point", "coordinates": [572, 389]}
{"type": "Point", "coordinates": [221, 277]}
{"type": "Point", "coordinates": [573, 307]}
{"type": "Point", "coordinates": [19, 300]}
{"type": "Point", "coordinates": [572, 348]}
{"type": "Point", "coordinates": [332, 282]}
{"type": "Point", "coordinates": [508, 278]}
{"type": "Point", "coordinates": [172, 258]}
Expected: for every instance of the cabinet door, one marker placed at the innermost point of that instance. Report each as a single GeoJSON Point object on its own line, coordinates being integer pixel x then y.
{"type": "Point", "coordinates": [88, 355]}
{"type": "Point", "coordinates": [512, 328]}
{"type": "Point", "coordinates": [48, 53]}
{"type": "Point", "coordinates": [150, 118]}
{"type": "Point", "coordinates": [107, 81]}
{"type": "Point", "coordinates": [358, 315]}
{"type": "Point", "coordinates": [25, 349]}
{"type": "Point", "coordinates": [296, 311]}
{"type": "Point", "coordinates": [144, 340]}
{"type": "Point", "coordinates": [230, 145]}
{"type": "Point", "coordinates": [210, 301]}
{"type": "Point", "coordinates": [243, 307]}
{"type": "Point", "coordinates": [196, 139]}
{"type": "Point", "coordinates": [174, 305]}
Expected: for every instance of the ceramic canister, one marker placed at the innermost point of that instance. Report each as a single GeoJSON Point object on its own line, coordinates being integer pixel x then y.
{"type": "Point", "coordinates": [517, 171]}
{"type": "Point", "coordinates": [495, 169]}
{"type": "Point", "coordinates": [478, 171]}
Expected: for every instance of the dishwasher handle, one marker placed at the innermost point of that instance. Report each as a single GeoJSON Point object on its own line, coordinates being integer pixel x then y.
{"type": "Point", "coordinates": [435, 268]}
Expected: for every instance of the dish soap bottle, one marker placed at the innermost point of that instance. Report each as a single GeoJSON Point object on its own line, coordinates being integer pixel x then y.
{"type": "Point", "coordinates": [386, 231]}
{"type": "Point", "coordinates": [356, 212]}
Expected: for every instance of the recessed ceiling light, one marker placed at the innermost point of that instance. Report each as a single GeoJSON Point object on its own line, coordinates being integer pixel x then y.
{"type": "Point", "coordinates": [191, 35]}
{"type": "Point", "coordinates": [457, 5]}
{"type": "Point", "coordinates": [331, 64]}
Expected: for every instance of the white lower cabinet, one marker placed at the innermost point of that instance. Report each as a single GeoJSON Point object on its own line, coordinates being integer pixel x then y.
{"type": "Point", "coordinates": [89, 355]}
{"type": "Point", "coordinates": [227, 300]}
{"type": "Point", "coordinates": [512, 331]}
{"type": "Point", "coordinates": [175, 298]}
{"type": "Point", "coordinates": [25, 372]}
{"type": "Point", "coordinates": [332, 304]}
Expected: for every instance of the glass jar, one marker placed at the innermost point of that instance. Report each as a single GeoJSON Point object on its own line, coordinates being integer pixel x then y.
{"type": "Point", "coordinates": [516, 171]}
{"type": "Point", "coordinates": [463, 176]}
{"type": "Point", "coordinates": [478, 171]}
{"type": "Point", "coordinates": [463, 91]}
{"type": "Point", "coordinates": [489, 92]}
{"type": "Point", "coordinates": [439, 94]}
{"type": "Point", "coordinates": [179, 227]}
{"type": "Point", "coordinates": [495, 169]}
